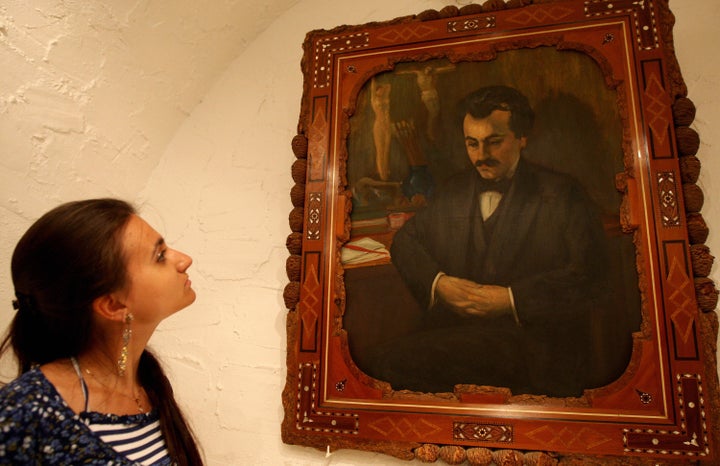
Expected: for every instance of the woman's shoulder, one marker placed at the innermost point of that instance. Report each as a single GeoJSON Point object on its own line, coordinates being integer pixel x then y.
{"type": "Point", "coordinates": [29, 384]}
{"type": "Point", "coordinates": [36, 426]}
{"type": "Point", "coordinates": [24, 406]}
{"type": "Point", "coordinates": [28, 395]}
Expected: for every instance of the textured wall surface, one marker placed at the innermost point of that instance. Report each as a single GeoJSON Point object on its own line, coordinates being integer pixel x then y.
{"type": "Point", "coordinates": [187, 109]}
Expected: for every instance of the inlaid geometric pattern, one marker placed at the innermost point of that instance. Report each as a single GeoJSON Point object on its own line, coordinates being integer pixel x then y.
{"type": "Point", "coordinates": [568, 437]}
{"type": "Point", "coordinates": [482, 432]}
{"type": "Point", "coordinates": [533, 16]}
{"type": "Point", "coordinates": [314, 216]}
{"type": "Point", "coordinates": [689, 438]}
{"type": "Point", "coordinates": [418, 427]}
{"type": "Point", "coordinates": [667, 189]}
{"type": "Point", "coordinates": [472, 24]}
{"type": "Point", "coordinates": [326, 47]}
{"type": "Point", "coordinates": [307, 307]}
{"type": "Point", "coordinates": [318, 141]}
{"type": "Point", "coordinates": [681, 300]}
{"type": "Point", "coordinates": [681, 297]}
{"type": "Point", "coordinates": [409, 33]}
{"type": "Point", "coordinates": [657, 102]}
{"type": "Point", "coordinates": [308, 418]}
{"type": "Point", "coordinates": [656, 109]}
{"type": "Point", "coordinates": [643, 13]}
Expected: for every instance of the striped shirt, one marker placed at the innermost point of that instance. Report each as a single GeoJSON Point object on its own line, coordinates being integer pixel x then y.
{"type": "Point", "coordinates": [138, 437]}
{"type": "Point", "coordinates": [142, 442]}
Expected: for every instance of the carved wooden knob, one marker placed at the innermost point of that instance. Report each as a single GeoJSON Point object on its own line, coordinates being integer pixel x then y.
{"type": "Point", "coordinates": [452, 454]}
{"type": "Point", "coordinates": [299, 170]}
{"type": "Point", "coordinates": [299, 146]}
{"type": "Point", "coordinates": [479, 456]}
{"type": "Point", "coordinates": [508, 457]}
{"type": "Point", "coordinates": [291, 294]}
{"type": "Point", "coordinates": [539, 458]}
{"type": "Point", "coordinates": [702, 260]}
{"type": "Point", "coordinates": [293, 265]}
{"type": "Point", "coordinates": [494, 5]}
{"type": "Point", "coordinates": [518, 3]}
{"type": "Point", "coordinates": [706, 294]}
{"type": "Point", "coordinates": [694, 197]}
{"type": "Point", "coordinates": [297, 195]}
{"type": "Point", "coordinates": [428, 15]}
{"type": "Point", "coordinates": [449, 11]}
{"type": "Point", "coordinates": [683, 111]}
{"type": "Point", "coordinates": [471, 9]}
{"type": "Point", "coordinates": [296, 219]}
{"type": "Point", "coordinates": [688, 140]}
{"type": "Point", "coordinates": [689, 169]}
{"type": "Point", "coordinates": [697, 228]}
{"type": "Point", "coordinates": [294, 243]}
{"type": "Point", "coordinates": [427, 453]}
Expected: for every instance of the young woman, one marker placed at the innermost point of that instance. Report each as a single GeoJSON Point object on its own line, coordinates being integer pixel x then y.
{"type": "Point", "coordinates": [92, 282]}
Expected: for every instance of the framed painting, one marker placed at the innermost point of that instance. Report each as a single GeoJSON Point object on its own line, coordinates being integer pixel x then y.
{"type": "Point", "coordinates": [497, 251]}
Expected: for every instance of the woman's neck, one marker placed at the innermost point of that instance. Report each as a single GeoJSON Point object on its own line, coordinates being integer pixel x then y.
{"type": "Point", "coordinates": [109, 391]}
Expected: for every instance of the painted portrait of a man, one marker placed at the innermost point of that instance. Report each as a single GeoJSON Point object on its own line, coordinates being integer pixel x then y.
{"type": "Point", "coordinates": [504, 261]}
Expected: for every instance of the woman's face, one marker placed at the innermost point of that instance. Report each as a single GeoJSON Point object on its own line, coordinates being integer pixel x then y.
{"type": "Point", "coordinates": [158, 283]}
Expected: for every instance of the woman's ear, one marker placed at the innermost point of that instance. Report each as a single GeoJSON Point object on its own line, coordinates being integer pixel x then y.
{"type": "Point", "coordinates": [110, 307]}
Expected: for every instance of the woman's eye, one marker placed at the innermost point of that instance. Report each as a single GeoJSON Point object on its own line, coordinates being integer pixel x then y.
{"type": "Point", "coordinates": [161, 256]}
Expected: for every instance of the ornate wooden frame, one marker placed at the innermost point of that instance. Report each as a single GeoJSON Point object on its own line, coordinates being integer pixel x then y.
{"type": "Point", "coordinates": [665, 406]}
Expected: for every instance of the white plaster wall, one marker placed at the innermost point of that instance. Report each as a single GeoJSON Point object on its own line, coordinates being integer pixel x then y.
{"type": "Point", "coordinates": [98, 99]}
{"type": "Point", "coordinates": [696, 33]}
{"type": "Point", "coordinates": [91, 92]}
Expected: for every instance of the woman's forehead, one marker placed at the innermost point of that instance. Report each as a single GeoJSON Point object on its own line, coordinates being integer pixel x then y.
{"type": "Point", "coordinates": [139, 236]}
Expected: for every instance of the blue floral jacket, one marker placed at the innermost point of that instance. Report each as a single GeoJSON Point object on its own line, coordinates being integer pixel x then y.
{"type": "Point", "coordinates": [38, 427]}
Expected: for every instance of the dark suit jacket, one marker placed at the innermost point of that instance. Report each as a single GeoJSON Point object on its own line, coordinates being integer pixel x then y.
{"type": "Point", "coordinates": [547, 244]}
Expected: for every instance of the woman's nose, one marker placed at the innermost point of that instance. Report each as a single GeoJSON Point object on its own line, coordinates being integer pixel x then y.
{"type": "Point", "coordinates": [184, 261]}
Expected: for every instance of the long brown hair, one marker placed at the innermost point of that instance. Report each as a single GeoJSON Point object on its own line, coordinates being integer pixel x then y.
{"type": "Point", "coordinates": [69, 257]}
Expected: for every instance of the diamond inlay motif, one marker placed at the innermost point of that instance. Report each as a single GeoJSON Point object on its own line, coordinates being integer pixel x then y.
{"type": "Point", "coordinates": [317, 144]}
{"type": "Point", "coordinates": [565, 437]}
{"type": "Point", "coordinates": [657, 103]}
{"type": "Point", "coordinates": [409, 33]}
{"type": "Point", "coordinates": [308, 314]}
{"type": "Point", "coordinates": [681, 298]}
{"type": "Point", "coordinates": [529, 16]}
{"type": "Point", "coordinates": [418, 427]}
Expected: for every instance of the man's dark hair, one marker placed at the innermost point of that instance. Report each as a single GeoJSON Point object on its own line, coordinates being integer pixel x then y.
{"type": "Point", "coordinates": [481, 103]}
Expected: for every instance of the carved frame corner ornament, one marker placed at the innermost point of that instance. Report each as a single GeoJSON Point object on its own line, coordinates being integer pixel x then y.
{"type": "Point", "coordinates": [664, 406]}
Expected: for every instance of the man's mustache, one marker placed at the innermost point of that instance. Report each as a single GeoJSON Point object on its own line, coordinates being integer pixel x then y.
{"type": "Point", "coordinates": [487, 163]}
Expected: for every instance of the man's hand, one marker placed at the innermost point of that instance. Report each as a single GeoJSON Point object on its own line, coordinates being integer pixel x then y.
{"type": "Point", "coordinates": [468, 298]}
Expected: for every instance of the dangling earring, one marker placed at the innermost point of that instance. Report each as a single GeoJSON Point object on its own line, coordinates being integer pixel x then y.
{"type": "Point", "coordinates": [127, 333]}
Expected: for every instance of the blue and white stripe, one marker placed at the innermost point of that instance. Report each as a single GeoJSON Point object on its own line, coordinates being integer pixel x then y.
{"type": "Point", "coordinates": [141, 443]}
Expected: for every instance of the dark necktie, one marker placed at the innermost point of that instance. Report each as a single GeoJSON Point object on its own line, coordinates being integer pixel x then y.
{"type": "Point", "coordinates": [500, 186]}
